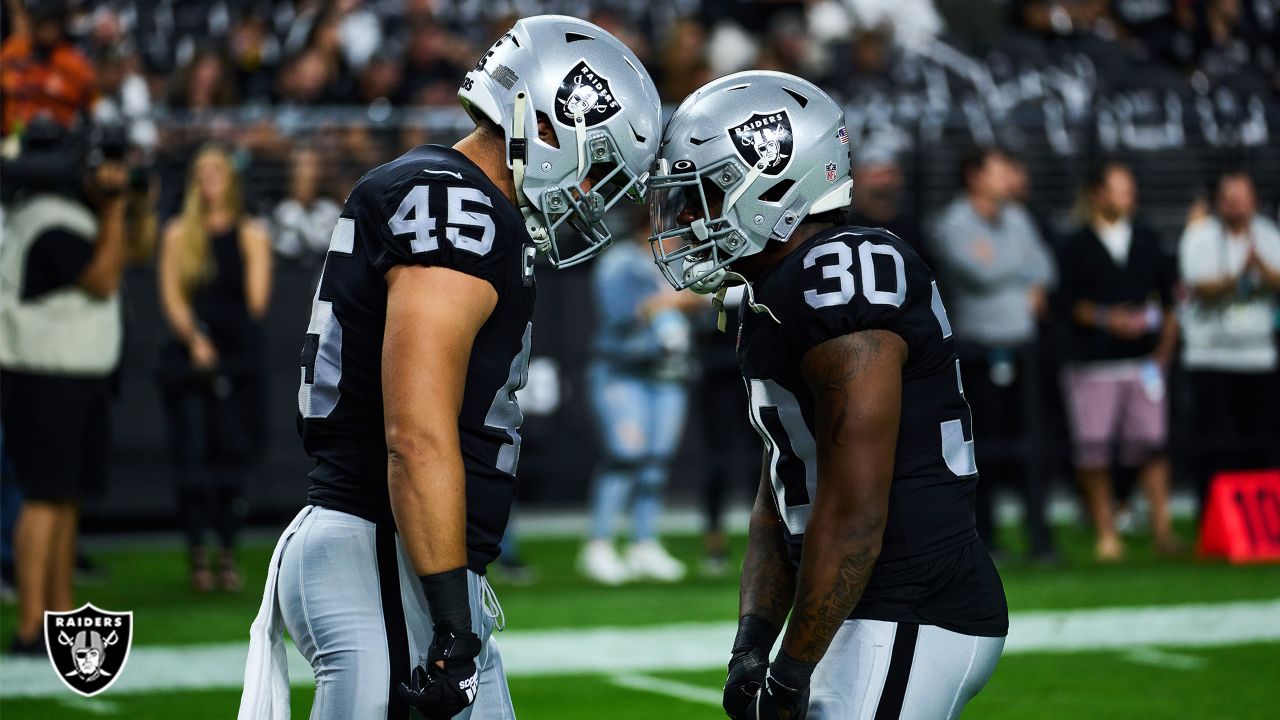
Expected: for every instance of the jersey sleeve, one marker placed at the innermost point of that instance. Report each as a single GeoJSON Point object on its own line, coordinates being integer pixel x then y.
{"type": "Point", "coordinates": [421, 221]}
{"type": "Point", "coordinates": [859, 282]}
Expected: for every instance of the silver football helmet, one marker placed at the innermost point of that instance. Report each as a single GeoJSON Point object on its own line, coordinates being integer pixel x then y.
{"type": "Point", "coordinates": [743, 161]}
{"type": "Point", "coordinates": [606, 114]}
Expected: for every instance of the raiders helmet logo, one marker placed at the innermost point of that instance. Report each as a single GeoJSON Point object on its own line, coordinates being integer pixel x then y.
{"type": "Point", "coordinates": [585, 92]}
{"type": "Point", "coordinates": [88, 647]}
{"type": "Point", "coordinates": [764, 136]}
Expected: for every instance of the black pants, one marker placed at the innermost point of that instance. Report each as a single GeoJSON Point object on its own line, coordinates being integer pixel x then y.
{"type": "Point", "coordinates": [214, 433]}
{"type": "Point", "coordinates": [1236, 419]}
{"type": "Point", "coordinates": [735, 447]}
{"type": "Point", "coordinates": [1003, 388]}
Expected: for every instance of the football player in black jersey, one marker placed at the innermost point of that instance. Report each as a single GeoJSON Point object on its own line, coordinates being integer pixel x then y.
{"type": "Point", "coordinates": [863, 528]}
{"type": "Point", "coordinates": [418, 341]}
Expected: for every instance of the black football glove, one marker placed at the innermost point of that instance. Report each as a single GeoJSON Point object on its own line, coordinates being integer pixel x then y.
{"type": "Point", "coordinates": [776, 701]}
{"type": "Point", "coordinates": [438, 692]}
{"type": "Point", "coordinates": [747, 668]}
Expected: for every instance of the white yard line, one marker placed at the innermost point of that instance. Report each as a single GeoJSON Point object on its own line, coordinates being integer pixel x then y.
{"type": "Point", "coordinates": [691, 646]}
{"type": "Point", "coordinates": [699, 694]}
{"type": "Point", "coordinates": [1164, 659]}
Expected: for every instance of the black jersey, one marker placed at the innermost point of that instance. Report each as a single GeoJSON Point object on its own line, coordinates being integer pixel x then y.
{"type": "Point", "coordinates": [431, 206]}
{"type": "Point", "coordinates": [932, 567]}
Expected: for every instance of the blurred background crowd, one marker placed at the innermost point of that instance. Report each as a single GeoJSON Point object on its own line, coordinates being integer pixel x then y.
{"type": "Point", "coordinates": [1094, 183]}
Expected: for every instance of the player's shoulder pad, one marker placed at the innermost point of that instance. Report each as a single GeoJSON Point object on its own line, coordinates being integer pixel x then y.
{"type": "Point", "coordinates": [431, 206]}
{"type": "Point", "coordinates": [847, 279]}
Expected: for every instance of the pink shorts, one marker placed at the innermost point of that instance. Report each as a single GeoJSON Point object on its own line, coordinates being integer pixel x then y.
{"type": "Point", "coordinates": [1115, 405]}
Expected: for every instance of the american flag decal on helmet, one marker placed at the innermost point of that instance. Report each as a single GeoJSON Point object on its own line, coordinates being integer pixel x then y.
{"type": "Point", "coordinates": [842, 135]}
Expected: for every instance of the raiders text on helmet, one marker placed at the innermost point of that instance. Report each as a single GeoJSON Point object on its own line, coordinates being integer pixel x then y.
{"type": "Point", "coordinates": [603, 108]}
{"type": "Point", "coordinates": [743, 161]}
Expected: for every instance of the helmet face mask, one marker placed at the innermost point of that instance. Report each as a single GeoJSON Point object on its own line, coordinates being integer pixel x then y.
{"type": "Point", "coordinates": [603, 109]}
{"type": "Point", "coordinates": [583, 208]}
{"type": "Point", "coordinates": [692, 253]}
{"type": "Point", "coordinates": [744, 160]}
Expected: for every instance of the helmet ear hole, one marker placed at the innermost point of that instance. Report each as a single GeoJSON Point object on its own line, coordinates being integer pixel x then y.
{"type": "Point", "coordinates": [778, 191]}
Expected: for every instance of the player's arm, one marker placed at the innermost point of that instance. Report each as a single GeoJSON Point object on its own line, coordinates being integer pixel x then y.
{"type": "Point", "coordinates": [433, 315]}
{"type": "Point", "coordinates": [768, 582]}
{"type": "Point", "coordinates": [768, 586]}
{"type": "Point", "coordinates": [856, 381]}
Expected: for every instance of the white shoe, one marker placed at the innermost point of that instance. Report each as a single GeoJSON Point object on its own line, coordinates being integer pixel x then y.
{"type": "Point", "coordinates": [649, 560]}
{"type": "Point", "coordinates": [599, 562]}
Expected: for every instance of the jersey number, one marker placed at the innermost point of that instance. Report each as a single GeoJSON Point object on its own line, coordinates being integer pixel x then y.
{"type": "Point", "coordinates": [414, 217]}
{"type": "Point", "coordinates": [322, 349]}
{"type": "Point", "coordinates": [846, 287]}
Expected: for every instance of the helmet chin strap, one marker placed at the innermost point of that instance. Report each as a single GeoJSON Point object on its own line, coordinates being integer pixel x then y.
{"type": "Point", "coordinates": [519, 155]}
{"type": "Point", "coordinates": [749, 297]}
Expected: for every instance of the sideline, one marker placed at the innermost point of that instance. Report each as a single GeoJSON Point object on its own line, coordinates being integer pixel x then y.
{"type": "Point", "coordinates": [692, 646]}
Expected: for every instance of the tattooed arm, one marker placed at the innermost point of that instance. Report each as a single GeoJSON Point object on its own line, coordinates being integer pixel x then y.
{"type": "Point", "coordinates": [856, 382]}
{"type": "Point", "coordinates": [768, 582]}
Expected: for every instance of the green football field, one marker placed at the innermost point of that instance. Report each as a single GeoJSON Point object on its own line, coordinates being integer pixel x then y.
{"type": "Point", "coordinates": [1190, 676]}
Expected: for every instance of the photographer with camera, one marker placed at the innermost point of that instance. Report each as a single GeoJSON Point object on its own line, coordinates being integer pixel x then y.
{"type": "Point", "coordinates": [60, 338]}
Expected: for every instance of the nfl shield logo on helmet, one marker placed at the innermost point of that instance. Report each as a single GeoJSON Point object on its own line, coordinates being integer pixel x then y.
{"type": "Point", "coordinates": [88, 647]}
{"type": "Point", "coordinates": [764, 136]}
{"type": "Point", "coordinates": [831, 172]}
{"type": "Point", "coordinates": [585, 92]}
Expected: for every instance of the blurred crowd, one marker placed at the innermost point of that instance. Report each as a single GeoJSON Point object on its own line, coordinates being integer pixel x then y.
{"type": "Point", "coordinates": [1079, 339]}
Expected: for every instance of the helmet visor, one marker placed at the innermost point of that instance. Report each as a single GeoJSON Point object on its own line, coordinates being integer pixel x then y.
{"type": "Point", "coordinates": [692, 240]}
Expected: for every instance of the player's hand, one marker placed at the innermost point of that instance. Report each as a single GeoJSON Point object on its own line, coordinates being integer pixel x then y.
{"type": "Point", "coordinates": [776, 701]}
{"type": "Point", "coordinates": [747, 669]}
{"type": "Point", "coordinates": [447, 684]}
{"type": "Point", "coordinates": [204, 356]}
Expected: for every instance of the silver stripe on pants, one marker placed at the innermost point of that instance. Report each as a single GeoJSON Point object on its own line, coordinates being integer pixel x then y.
{"type": "Point", "coordinates": [947, 671]}
{"type": "Point", "coordinates": [331, 600]}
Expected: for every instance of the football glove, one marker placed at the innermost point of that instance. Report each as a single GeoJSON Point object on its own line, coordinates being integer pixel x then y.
{"type": "Point", "coordinates": [439, 692]}
{"type": "Point", "coordinates": [776, 701]}
{"type": "Point", "coordinates": [747, 668]}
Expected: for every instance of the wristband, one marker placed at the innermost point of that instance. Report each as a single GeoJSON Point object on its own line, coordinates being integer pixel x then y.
{"type": "Point", "coordinates": [790, 672]}
{"type": "Point", "coordinates": [755, 632]}
{"type": "Point", "coordinates": [448, 599]}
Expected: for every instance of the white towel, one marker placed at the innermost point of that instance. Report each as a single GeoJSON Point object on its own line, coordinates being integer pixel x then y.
{"type": "Point", "coordinates": [266, 670]}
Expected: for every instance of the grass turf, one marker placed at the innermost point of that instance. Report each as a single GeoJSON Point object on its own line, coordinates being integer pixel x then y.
{"type": "Point", "coordinates": [1232, 682]}
{"type": "Point", "coordinates": [1236, 683]}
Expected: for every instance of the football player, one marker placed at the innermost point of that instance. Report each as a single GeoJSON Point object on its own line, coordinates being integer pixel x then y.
{"type": "Point", "coordinates": [418, 341]}
{"type": "Point", "coordinates": [863, 527]}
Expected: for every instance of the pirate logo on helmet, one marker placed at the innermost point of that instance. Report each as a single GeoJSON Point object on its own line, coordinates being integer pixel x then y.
{"type": "Point", "coordinates": [587, 93]}
{"type": "Point", "coordinates": [764, 136]}
{"type": "Point", "coordinates": [88, 647]}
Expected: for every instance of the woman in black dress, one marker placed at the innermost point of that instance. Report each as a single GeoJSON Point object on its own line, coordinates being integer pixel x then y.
{"type": "Point", "coordinates": [215, 283]}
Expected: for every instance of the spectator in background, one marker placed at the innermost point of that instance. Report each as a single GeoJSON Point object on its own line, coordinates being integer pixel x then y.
{"type": "Point", "coordinates": [215, 283]}
{"type": "Point", "coordinates": [877, 195]}
{"type": "Point", "coordinates": [683, 62]}
{"type": "Point", "coordinates": [722, 406]}
{"type": "Point", "coordinates": [1117, 286]}
{"type": "Point", "coordinates": [994, 271]}
{"type": "Point", "coordinates": [124, 99]}
{"type": "Point", "coordinates": [305, 220]}
{"type": "Point", "coordinates": [434, 60]}
{"type": "Point", "coordinates": [60, 338]}
{"type": "Point", "coordinates": [42, 72]}
{"type": "Point", "coordinates": [1230, 263]}
{"type": "Point", "coordinates": [204, 83]}
{"type": "Point", "coordinates": [255, 56]}
{"type": "Point", "coordinates": [637, 387]}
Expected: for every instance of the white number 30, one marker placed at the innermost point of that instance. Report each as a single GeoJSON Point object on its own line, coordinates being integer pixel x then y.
{"type": "Point", "coordinates": [839, 270]}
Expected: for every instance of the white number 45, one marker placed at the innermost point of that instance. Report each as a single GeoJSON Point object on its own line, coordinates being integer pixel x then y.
{"type": "Point", "coordinates": [423, 225]}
